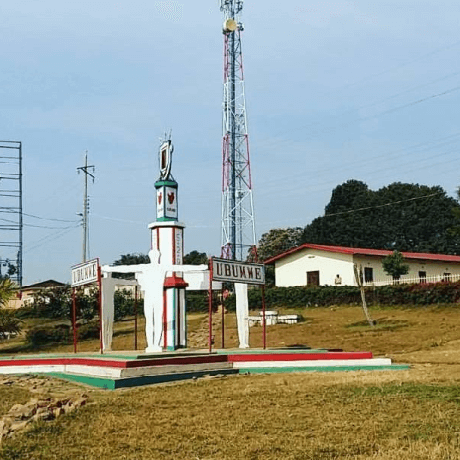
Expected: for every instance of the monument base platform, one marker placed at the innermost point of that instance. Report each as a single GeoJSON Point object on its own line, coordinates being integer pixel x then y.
{"type": "Point", "coordinates": [114, 370]}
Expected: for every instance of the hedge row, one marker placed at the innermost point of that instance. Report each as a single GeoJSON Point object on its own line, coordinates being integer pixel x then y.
{"type": "Point", "coordinates": [323, 296]}
{"type": "Point", "coordinates": [61, 333]}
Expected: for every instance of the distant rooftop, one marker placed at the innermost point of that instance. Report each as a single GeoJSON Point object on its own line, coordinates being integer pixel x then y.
{"type": "Point", "coordinates": [365, 252]}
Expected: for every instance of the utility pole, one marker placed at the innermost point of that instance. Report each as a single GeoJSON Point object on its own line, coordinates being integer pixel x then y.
{"type": "Point", "coordinates": [86, 170]}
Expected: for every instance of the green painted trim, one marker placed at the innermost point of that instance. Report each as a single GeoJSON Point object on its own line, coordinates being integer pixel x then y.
{"type": "Point", "coordinates": [166, 183]}
{"type": "Point", "coordinates": [173, 325]}
{"type": "Point", "coordinates": [148, 380]}
{"type": "Point", "coordinates": [280, 370]}
{"type": "Point", "coordinates": [167, 219]}
{"type": "Point", "coordinates": [99, 382]}
{"type": "Point", "coordinates": [113, 384]}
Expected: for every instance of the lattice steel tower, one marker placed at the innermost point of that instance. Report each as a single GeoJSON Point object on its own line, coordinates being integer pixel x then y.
{"type": "Point", "coordinates": [238, 228]}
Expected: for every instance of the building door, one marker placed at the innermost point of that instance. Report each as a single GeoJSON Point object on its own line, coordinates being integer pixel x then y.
{"type": "Point", "coordinates": [313, 278]}
{"type": "Point", "coordinates": [422, 277]}
{"type": "Point", "coordinates": [368, 274]}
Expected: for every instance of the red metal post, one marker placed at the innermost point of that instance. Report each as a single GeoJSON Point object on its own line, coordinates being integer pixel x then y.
{"type": "Point", "coordinates": [263, 318]}
{"type": "Point", "coordinates": [210, 305]}
{"type": "Point", "coordinates": [223, 317]}
{"type": "Point", "coordinates": [135, 317]}
{"type": "Point", "coordinates": [165, 320]}
{"type": "Point", "coordinates": [74, 320]}
{"type": "Point", "coordinates": [99, 283]}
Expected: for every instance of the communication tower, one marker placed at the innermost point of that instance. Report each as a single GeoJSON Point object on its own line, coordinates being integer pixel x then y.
{"type": "Point", "coordinates": [11, 213]}
{"type": "Point", "coordinates": [238, 227]}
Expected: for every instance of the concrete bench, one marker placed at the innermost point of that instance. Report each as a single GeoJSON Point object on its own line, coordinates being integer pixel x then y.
{"type": "Point", "coordinates": [288, 319]}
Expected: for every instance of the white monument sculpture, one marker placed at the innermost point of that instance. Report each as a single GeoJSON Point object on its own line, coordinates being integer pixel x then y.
{"type": "Point", "coordinates": [165, 278]}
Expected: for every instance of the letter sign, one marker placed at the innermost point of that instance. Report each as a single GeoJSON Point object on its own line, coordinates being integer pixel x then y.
{"type": "Point", "coordinates": [237, 272]}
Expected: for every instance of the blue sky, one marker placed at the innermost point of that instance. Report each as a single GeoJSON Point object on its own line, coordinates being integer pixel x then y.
{"type": "Point", "coordinates": [336, 90]}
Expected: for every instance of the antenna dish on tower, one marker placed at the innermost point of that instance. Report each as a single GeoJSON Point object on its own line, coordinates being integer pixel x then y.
{"type": "Point", "coordinates": [230, 26]}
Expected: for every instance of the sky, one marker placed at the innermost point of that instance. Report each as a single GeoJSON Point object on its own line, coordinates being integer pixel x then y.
{"type": "Point", "coordinates": [335, 90]}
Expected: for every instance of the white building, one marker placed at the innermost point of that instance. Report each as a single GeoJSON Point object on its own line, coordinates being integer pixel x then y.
{"type": "Point", "coordinates": [320, 265]}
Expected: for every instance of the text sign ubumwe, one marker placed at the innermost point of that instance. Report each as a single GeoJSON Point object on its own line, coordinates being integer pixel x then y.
{"type": "Point", "coordinates": [85, 273]}
{"type": "Point", "coordinates": [237, 272]}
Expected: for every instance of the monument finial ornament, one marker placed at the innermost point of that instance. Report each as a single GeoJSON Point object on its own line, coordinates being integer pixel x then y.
{"type": "Point", "coordinates": [165, 154]}
{"type": "Point", "coordinates": [166, 186]}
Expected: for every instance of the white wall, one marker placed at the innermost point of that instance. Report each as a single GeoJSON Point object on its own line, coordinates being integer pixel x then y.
{"type": "Point", "coordinates": [292, 270]}
{"type": "Point", "coordinates": [431, 268]}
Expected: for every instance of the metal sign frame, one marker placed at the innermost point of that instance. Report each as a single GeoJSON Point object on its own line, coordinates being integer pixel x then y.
{"type": "Point", "coordinates": [233, 271]}
{"type": "Point", "coordinates": [83, 274]}
{"type": "Point", "coordinates": [213, 276]}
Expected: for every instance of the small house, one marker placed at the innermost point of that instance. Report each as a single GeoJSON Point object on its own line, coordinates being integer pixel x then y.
{"type": "Point", "coordinates": [25, 294]}
{"type": "Point", "coordinates": [321, 265]}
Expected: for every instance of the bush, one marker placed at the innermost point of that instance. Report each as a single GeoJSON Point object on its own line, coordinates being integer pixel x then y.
{"type": "Point", "coordinates": [56, 303]}
{"type": "Point", "coordinates": [124, 304]}
{"type": "Point", "coordinates": [61, 333]}
{"type": "Point", "coordinates": [9, 323]}
{"type": "Point", "coordinates": [88, 330]}
{"type": "Point", "coordinates": [196, 301]}
{"type": "Point", "coordinates": [42, 335]}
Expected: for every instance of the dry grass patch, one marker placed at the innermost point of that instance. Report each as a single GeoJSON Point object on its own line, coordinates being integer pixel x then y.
{"type": "Point", "coordinates": [398, 330]}
{"type": "Point", "coordinates": [11, 394]}
{"type": "Point", "coordinates": [411, 415]}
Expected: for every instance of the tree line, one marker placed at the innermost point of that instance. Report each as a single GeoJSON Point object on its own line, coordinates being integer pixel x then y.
{"type": "Point", "coordinates": [402, 217]}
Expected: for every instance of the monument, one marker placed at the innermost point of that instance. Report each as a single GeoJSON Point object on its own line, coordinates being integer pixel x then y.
{"type": "Point", "coordinates": [165, 278]}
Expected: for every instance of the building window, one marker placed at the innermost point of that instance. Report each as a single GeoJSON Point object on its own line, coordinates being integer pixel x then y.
{"type": "Point", "coordinates": [368, 274]}
{"type": "Point", "coordinates": [422, 277]}
{"type": "Point", "coordinates": [447, 277]}
{"type": "Point", "coordinates": [313, 278]}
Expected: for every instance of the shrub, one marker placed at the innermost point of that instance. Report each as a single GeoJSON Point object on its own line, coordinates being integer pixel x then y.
{"type": "Point", "coordinates": [9, 323]}
{"type": "Point", "coordinates": [196, 301]}
{"type": "Point", "coordinates": [124, 304]}
{"type": "Point", "coordinates": [61, 333]}
{"type": "Point", "coordinates": [56, 303]}
{"type": "Point", "coordinates": [42, 335]}
{"type": "Point", "coordinates": [89, 330]}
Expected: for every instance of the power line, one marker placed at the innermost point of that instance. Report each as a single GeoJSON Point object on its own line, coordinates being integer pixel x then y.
{"type": "Point", "coordinates": [351, 211]}
{"type": "Point", "coordinates": [49, 218]}
{"type": "Point", "coordinates": [329, 129]}
{"type": "Point", "coordinates": [51, 237]}
{"type": "Point", "coordinates": [378, 74]}
{"type": "Point", "coordinates": [365, 106]}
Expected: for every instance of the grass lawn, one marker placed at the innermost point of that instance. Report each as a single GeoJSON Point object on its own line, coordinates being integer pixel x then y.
{"type": "Point", "coordinates": [386, 415]}
{"type": "Point", "coordinates": [412, 414]}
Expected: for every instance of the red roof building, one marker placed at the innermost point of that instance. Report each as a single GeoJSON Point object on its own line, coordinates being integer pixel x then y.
{"type": "Point", "coordinates": [316, 264]}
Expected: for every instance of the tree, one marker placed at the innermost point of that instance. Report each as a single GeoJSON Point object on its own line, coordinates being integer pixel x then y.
{"type": "Point", "coordinates": [130, 259]}
{"type": "Point", "coordinates": [8, 322]}
{"type": "Point", "coordinates": [394, 265]}
{"type": "Point", "coordinates": [196, 258]}
{"type": "Point", "coordinates": [272, 243]}
{"type": "Point", "coordinates": [277, 241]}
{"type": "Point", "coordinates": [405, 217]}
{"type": "Point", "coordinates": [56, 303]}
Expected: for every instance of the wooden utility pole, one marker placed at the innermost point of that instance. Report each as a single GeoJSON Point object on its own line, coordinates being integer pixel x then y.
{"type": "Point", "coordinates": [87, 170]}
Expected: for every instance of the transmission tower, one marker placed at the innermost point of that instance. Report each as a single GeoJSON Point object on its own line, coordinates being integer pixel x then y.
{"type": "Point", "coordinates": [85, 240]}
{"type": "Point", "coordinates": [11, 209]}
{"type": "Point", "coordinates": [238, 227]}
